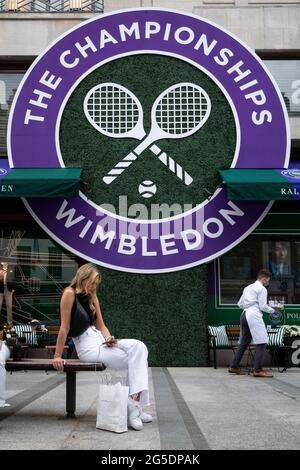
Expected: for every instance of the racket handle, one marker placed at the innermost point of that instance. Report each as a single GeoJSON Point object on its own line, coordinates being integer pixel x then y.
{"type": "Point", "coordinates": [172, 165]}
{"type": "Point", "coordinates": [118, 169]}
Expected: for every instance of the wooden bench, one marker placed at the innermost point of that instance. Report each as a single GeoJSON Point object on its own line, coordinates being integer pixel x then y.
{"type": "Point", "coordinates": [48, 339]}
{"type": "Point", "coordinates": [72, 366]}
{"type": "Point", "coordinates": [51, 349]}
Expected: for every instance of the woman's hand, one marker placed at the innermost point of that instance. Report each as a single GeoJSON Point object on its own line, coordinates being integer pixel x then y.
{"type": "Point", "coordinates": [110, 341]}
{"type": "Point", "coordinates": [58, 363]}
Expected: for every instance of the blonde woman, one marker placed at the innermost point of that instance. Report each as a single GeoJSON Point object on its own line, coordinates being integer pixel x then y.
{"type": "Point", "coordinates": [82, 320]}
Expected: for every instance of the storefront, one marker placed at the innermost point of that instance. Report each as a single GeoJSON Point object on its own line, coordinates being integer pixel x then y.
{"type": "Point", "coordinates": [174, 236]}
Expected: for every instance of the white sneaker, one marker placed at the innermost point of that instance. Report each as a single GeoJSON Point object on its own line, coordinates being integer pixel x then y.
{"type": "Point", "coordinates": [134, 419]}
{"type": "Point", "coordinates": [145, 417]}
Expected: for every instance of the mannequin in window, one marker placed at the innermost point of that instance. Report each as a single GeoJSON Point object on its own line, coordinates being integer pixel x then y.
{"type": "Point", "coordinates": [7, 288]}
{"type": "Point", "coordinates": [279, 259]}
{"type": "Point", "coordinates": [4, 355]}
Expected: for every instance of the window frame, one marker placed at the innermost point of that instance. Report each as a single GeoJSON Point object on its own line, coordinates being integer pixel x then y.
{"type": "Point", "coordinates": [276, 55]}
{"type": "Point", "coordinates": [15, 65]}
{"type": "Point", "coordinates": [271, 225]}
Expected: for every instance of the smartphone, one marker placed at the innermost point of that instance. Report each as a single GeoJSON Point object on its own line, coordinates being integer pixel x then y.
{"type": "Point", "coordinates": [110, 341]}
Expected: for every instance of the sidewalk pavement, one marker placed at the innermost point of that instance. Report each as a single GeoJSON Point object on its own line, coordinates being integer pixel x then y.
{"type": "Point", "coordinates": [193, 408]}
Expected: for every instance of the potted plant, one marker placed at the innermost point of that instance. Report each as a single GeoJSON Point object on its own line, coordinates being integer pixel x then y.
{"type": "Point", "coordinates": [291, 333]}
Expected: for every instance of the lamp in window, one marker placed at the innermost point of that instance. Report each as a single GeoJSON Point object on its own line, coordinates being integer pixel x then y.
{"type": "Point", "coordinates": [75, 5]}
{"type": "Point", "coordinates": [12, 5]}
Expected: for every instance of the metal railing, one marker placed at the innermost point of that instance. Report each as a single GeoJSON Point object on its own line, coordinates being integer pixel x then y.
{"type": "Point", "coordinates": [51, 6]}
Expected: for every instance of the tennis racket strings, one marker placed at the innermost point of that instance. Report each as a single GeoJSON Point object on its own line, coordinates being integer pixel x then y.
{"type": "Point", "coordinates": [181, 109]}
{"type": "Point", "coordinates": [112, 110]}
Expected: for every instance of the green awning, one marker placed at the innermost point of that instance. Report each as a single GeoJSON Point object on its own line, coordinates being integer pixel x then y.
{"type": "Point", "coordinates": [38, 182]}
{"type": "Point", "coordinates": [262, 184]}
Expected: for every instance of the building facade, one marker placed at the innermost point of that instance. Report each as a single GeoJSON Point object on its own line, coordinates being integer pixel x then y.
{"type": "Point", "coordinates": [169, 311]}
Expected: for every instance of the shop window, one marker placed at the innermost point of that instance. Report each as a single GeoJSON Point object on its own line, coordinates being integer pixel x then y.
{"type": "Point", "coordinates": [24, 262]}
{"type": "Point", "coordinates": [280, 254]}
{"type": "Point", "coordinates": [287, 76]}
{"type": "Point", "coordinates": [41, 268]}
{"type": "Point", "coordinates": [55, 262]}
{"type": "Point", "coordinates": [9, 82]}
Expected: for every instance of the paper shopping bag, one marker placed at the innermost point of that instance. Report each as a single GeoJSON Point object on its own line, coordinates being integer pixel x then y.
{"type": "Point", "coordinates": [112, 407]}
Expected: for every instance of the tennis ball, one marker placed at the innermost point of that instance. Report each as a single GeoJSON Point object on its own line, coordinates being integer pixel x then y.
{"type": "Point", "coordinates": [147, 189]}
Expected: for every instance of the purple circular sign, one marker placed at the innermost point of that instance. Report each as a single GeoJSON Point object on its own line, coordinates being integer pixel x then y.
{"type": "Point", "coordinates": [149, 246]}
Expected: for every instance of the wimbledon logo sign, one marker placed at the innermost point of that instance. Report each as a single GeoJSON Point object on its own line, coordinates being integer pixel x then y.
{"type": "Point", "coordinates": [150, 103]}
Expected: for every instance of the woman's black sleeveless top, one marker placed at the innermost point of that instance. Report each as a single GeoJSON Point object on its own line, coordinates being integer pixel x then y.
{"type": "Point", "coordinates": [82, 316]}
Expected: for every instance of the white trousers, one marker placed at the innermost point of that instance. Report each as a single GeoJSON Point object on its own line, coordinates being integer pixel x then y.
{"type": "Point", "coordinates": [4, 355]}
{"type": "Point", "coordinates": [130, 354]}
{"type": "Point", "coordinates": [8, 295]}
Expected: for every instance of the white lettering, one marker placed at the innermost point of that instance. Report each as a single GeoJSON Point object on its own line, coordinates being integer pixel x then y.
{"type": "Point", "coordinates": [145, 248]}
{"type": "Point", "coordinates": [223, 54]}
{"type": "Point", "coordinates": [7, 188]}
{"type": "Point", "coordinates": [127, 245]}
{"type": "Point", "coordinates": [89, 45]}
{"type": "Point", "coordinates": [68, 65]}
{"type": "Point", "coordinates": [296, 354]}
{"type": "Point", "coordinates": [258, 97]}
{"type": "Point", "coordinates": [293, 316]}
{"type": "Point", "coordinates": [203, 42]}
{"type": "Point", "coordinates": [151, 27]}
{"type": "Point", "coordinates": [69, 214]}
{"type": "Point", "coordinates": [134, 29]}
{"type": "Point", "coordinates": [39, 102]}
{"type": "Point", "coordinates": [240, 74]}
{"type": "Point", "coordinates": [227, 213]}
{"type": "Point", "coordinates": [260, 118]}
{"type": "Point", "coordinates": [32, 117]}
{"type": "Point", "coordinates": [167, 32]}
{"type": "Point", "coordinates": [189, 244]}
{"type": "Point", "coordinates": [85, 229]}
{"type": "Point", "coordinates": [296, 95]}
{"type": "Point", "coordinates": [215, 221]}
{"type": "Point", "coordinates": [99, 234]}
{"type": "Point", "coordinates": [105, 37]}
{"type": "Point", "coordinates": [50, 82]}
{"type": "Point", "coordinates": [190, 35]}
{"type": "Point", "coordinates": [166, 245]}
{"type": "Point", "coordinates": [289, 192]}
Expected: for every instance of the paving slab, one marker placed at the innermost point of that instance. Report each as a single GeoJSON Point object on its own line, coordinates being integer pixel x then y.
{"type": "Point", "coordinates": [193, 409]}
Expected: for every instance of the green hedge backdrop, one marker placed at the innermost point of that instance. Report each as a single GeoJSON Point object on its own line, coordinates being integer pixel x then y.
{"type": "Point", "coordinates": [166, 311]}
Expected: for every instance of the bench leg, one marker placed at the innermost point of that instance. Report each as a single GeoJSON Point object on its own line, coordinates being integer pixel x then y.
{"type": "Point", "coordinates": [215, 358]}
{"type": "Point", "coordinates": [71, 394]}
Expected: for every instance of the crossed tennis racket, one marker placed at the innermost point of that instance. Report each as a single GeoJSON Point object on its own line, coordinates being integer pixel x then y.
{"type": "Point", "coordinates": [179, 111]}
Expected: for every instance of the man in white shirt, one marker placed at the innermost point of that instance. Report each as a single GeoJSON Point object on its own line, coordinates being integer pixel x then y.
{"type": "Point", "coordinates": [253, 302]}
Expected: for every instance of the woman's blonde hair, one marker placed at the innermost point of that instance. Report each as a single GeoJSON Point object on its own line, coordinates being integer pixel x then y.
{"type": "Point", "coordinates": [87, 272]}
